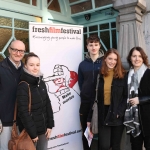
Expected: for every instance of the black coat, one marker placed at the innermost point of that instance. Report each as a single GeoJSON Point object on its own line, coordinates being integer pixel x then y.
{"type": "Point", "coordinates": [118, 102]}
{"type": "Point", "coordinates": [144, 103]}
{"type": "Point", "coordinates": [8, 89]}
{"type": "Point", "coordinates": [41, 116]}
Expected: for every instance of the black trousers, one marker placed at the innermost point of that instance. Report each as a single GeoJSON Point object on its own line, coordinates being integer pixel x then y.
{"type": "Point", "coordinates": [110, 137]}
{"type": "Point", "coordinates": [137, 142]}
{"type": "Point", "coordinates": [84, 111]}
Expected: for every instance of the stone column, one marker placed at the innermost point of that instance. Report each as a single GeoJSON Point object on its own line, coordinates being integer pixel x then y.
{"type": "Point", "coordinates": [130, 26]}
{"type": "Point", "coordinates": [146, 27]}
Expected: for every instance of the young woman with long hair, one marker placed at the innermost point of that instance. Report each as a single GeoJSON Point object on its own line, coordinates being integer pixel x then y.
{"type": "Point", "coordinates": [111, 106]}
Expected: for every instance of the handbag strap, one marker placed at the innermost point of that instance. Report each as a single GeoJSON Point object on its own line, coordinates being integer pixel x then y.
{"type": "Point", "coordinates": [97, 84]}
{"type": "Point", "coordinates": [29, 105]}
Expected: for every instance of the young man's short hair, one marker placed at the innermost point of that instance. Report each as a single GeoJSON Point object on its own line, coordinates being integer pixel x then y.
{"type": "Point", "coordinates": [93, 39]}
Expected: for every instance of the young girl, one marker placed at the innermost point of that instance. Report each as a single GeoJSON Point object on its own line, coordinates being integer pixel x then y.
{"type": "Point", "coordinates": [39, 123]}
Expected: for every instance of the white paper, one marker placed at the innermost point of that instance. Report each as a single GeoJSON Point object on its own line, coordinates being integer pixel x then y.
{"type": "Point", "coordinates": [89, 136]}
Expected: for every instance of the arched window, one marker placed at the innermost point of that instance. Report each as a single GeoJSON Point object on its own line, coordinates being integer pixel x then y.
{"type": "Point", "coordinates": [53, 5]}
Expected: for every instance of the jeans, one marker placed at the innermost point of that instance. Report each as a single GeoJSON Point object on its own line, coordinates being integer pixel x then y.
{"type": "Point", "coordinates": [5, 137]}
{"type": "Point", "coordinates": [137, 142]}
{"type": "Point", "coordinates": [42, 142]}
{"type": "Point", "coordinates": [110, 137]}
{"type": "Point", "coordinates": [84, 111]}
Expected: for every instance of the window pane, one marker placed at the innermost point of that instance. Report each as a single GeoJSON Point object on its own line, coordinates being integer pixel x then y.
{"type": "Point", "coordinates": [99, 3]}
{"type": "Point", "coordinates": [104, 26]}
{"type": "Point", "coordinates": [54, 5]}
{"type": "Point", "coordinates": [113, 25]}
{"type": "Point", "coordinates": [94, 33]}
{"type": "Point", "coordinates": [34, 2]}
{"type": "Point", "coordinates": [1, 58]}
{"type": "Point", "coordinates": [114, 39]}
{"type": "Point", "coordinates": [81, 7]}
{"type": "Point", "coordinates": [24, 1]}
{"type": "Point", "coordinates": [4, 39]}
{"type": "Point", "coordinates": [85, 29]}
{"type": "Point", "coordinates": [85, 37]}
{"type": "Point", "coordinates": [105, 37]}
{"type": "Point", "coordinates": [5, 21]}
{"type": "Point", "coordinates": [23, 36]}
{"type": "Point", "coordinates": [93, 28]}
{"type": "Point", "coordinates": [21, 24]}
{"type": "Point", "coordinates": [71, 1]}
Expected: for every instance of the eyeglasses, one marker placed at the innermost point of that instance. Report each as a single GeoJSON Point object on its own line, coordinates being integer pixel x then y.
{"type": "Point", "coordinates": [16, 50]}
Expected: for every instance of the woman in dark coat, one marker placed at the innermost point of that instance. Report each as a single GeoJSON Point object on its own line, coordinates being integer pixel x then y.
{"type": "Point", "coordinates": [137, 116]}
{"type": "Point", "coordinates": [39, 123]}
{"type": "Point", "coordinates": [111, 103]}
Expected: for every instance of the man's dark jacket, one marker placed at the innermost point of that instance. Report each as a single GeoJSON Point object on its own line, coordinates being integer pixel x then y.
{"type": "Point", "coordinates": [87, 76]}
{"type": "Point", "coordinates": [41, 116]}
{"type": "Point", "coordinates": [8, 88]}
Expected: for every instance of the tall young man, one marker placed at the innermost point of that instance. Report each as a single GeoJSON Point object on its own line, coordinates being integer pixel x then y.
{"type": "Point", "coordinates": [87, 75]}
{"type": "Point", "coordinates": [10, 70]}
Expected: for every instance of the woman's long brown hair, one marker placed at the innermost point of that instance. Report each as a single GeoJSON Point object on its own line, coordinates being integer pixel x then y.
{"type": "Point", "coordinates": [119, 71]}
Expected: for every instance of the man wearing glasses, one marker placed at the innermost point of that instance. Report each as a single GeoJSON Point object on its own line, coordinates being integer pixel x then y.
{"type": "Point", "coordinates": [10, 70]}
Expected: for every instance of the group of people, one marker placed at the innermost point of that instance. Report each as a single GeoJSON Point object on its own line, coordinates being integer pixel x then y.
{"type": "Point", "coordinates": [123, 96]}
{"type": "Point", "coordinates": [14, 80]}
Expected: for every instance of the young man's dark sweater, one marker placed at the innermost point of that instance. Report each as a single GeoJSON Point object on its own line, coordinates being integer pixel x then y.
{"type": "Point", "coordinates": [87, 76]}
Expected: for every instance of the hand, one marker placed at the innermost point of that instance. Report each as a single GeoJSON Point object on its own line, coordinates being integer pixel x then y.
{"type": "Point", "coordinates": [1, 128]}
{"type": "Point", "coordinates": [48, 133]}
{"type": "Point", "coordinates": [90, 132]}
{"type": "Point", "coordinates": [117, 116]}
{"type": "Point", "coordinates": [134, 101]}
{"type": "Point", "coordinates": [89, 125]}
{"type": "Point", "coordinates": [35, 140]}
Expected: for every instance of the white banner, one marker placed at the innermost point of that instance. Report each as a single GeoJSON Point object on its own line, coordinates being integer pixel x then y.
{"type": "Point", "coordinates": [60, 50]}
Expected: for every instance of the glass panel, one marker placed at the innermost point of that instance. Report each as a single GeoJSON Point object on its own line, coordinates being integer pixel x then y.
{"type": "Point", "coordinates": [99, 3]}
{"type": "Point", "coordinates": [54, 5]}
{"type": "Point", "coordinates": [1, 58]}
{"type": "Point", "coordinates": [85, 37]}
{"type": "Point", "coordinates": [93, 28]}
{"type": "Point", "coordinates": [4, 39]}
{"type": "Point", "coordinates": [104, 26]}
{"type": "Point", "coordinates": [113, 25]}
{"type": "Point", "coordinates": [105, 37]}
{"type": "Point", "coordinates": [24, 1]}
{"type": "Point", "coordinates": [95, 33]}
{"type": "Point", "coordinates": [23, 36]}
{"type": "Point", "coordinates": [81, 7]}
{"type": "Point", "coordinates": [21, 24]}
{"type": "Point", "coordinates": [102, 48]}
{"type": "Point", "coordinates": [114, 39]}
{"type": "Point", "coordinates": [34, 2]}
{"type": "Point", "coordinates": [71, 1]}
{"type": "Point", "coordinates": [5, 21]}
{"type": "Point", "coordinates": [6, 52]}
{"type": "Point", "coordinates": [85, 29]}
